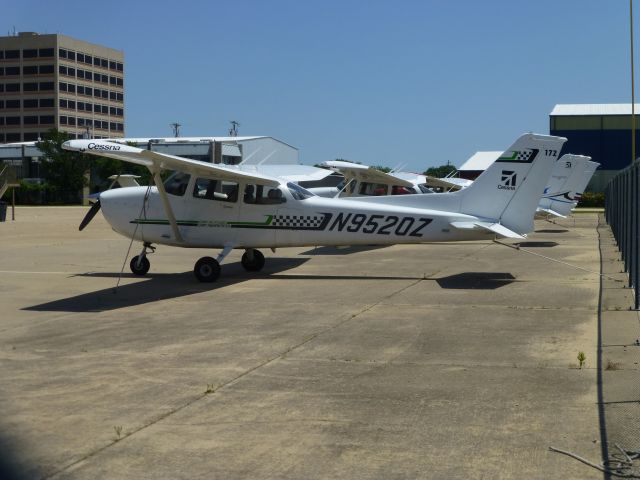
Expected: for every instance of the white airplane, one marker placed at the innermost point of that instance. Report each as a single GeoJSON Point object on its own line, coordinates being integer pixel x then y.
{"type": "Point", "coordinates": [204, 205]}
{"type": "Point", "coordinates": [363, 180]}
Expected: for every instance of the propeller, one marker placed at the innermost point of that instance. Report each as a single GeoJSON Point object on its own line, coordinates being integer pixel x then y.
{"type": "Point", "coordinates": [90, 214]}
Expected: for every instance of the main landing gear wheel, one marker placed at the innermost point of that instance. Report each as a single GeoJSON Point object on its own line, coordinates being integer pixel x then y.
{"type": "Point", "coordinates": [252, 260]}
{"type": "Point", "coordinates": [207, 269]}
{"type": "Point", "coordinates": [139, 266]}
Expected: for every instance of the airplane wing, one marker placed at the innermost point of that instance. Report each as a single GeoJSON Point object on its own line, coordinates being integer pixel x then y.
{"type": "Point", "coordinates": [365, 173]}
{"type": "Point", "coordinates": [156, 161]}
{"type": "Point", "coordinates": [449, 183]}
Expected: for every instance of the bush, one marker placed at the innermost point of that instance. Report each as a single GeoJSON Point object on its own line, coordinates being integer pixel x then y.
{"type": "Point", "coordinates": [591, 200]}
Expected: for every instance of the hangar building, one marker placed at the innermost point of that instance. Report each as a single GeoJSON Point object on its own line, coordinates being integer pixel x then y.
{"type": "Point", "coordinates": [602, 131]}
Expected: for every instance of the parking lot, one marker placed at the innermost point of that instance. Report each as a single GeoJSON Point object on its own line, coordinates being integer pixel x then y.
{"type": "Point", "coordinates": [419, 361]}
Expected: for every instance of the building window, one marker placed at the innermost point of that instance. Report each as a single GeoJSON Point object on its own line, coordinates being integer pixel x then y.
{"type": "Point", "coordinates": [81, 122]}
{"type": "Point", "coordinates": [62, 70]}
{"type": "Point", "coordinates": [30, 103]}
{"type": "Point", "coordinates": [63, 103]}
{"type": "Point", "coordinates": [30, 87]}
{"type": "Point", "coordinates": [71, 121]}
{"type": "Point", "coordinates": [63, 119]}
{"type": "Point", "coordinates": [112, 110]}
{"type": "Point", "coordinates": [1, 70]}
{"type": "Point", "coordinates": [71, 104]}
{"type": "Point", "coordinates": [120, 127]}
{"type": "Point", "coordinates": [104, 63]}
{"type": "Point", "coordinates": [96, 61]}
{"type": "Point", "coordinates": [88, 91]}
{"type": "Point", "coordinates": [14, 104]}
{"type": "Point", "coordinates": [30, 53]}
{"type": "Point", "coordinates": [120, 82]}
{"type": "Point", "coordinates": [13, 137]}
{"type": "Point", "coordinates": [104, 94]}
{"type": "Point", "coordinates": [30, 70]}
{"type": "Point", "coordinates": [71, 55]}
{"type": "Point", "coordinates": [71, 88]}
{"type": "Point", "coordinates": [47, 119]}
{"type": "Point", "coordinates": [62, 53]}
{"type": "Point", "coordinates": [120, 97]}
{"type": "Point", "coordinates": [80, 90]}
{"type": "Point", "coordinates": [31, 136]}
{"type": "Point", "coordinates": [112, 80]}
{"type": "Point", "coordinates": [120, 67]}
{"type": "Point", "coordinates": [12, 87]}
{"type": "Point", "coordinates": [63, 87]}
{"type": "Point", "coordinates": [11, 54]}
{"type": "Point", "coordinates": [80, 57]}
{"type": "Point", "coordinates": [12, 71]}
{"type": "Point", "coordinates": [31, 120]}
{"type": "Point", "coordinates": [119, 112]}
{"type": "Point", "coordinates": [88, 59]}
{"type": "Point", "coordinates": [46, 52]}
{"type": "Point", "coordinates": [46, 86]}
{"type": "Point", "coordinates": [46, 69]}
{"type": "Point", "coordinates": [47, 103]}
{"type": "Point", "coordinates": [1, 87]}
{"type": "Point", "coordinates": [1, 120]}
{"type": "Point", "coordinates": [1, 104]}
{"type": "Point", "coordinates": [13, 120]}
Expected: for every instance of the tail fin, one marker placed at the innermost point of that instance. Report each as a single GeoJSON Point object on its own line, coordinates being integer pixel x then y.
{"type": "Point", "coordinates": [509, 190]}
{"type": "Point", "coordinates": [560, 199]}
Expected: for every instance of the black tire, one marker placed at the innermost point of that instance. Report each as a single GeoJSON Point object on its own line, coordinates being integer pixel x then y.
{"type": "Point", "coordinates": [143, 268]}
{"type": "Point", "coordinates": [255, 264]}
{"type": "Point", "coordinates": [207, 269]}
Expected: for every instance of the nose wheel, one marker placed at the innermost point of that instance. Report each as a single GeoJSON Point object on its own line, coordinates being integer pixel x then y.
{"type": "Point", "coordinates": [140, 263]}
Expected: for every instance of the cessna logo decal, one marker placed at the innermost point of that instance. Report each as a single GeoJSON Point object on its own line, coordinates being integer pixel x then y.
{"type": "Point", "coordinates": [521, 156]}
{"type": "Point", "coordinates": [508, 180]}
{"type": "Point", "coordinates": [100, 146]}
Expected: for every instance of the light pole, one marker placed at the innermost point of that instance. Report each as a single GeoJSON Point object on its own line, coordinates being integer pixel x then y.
{"type": "Point", "coordinates": [633, 96]}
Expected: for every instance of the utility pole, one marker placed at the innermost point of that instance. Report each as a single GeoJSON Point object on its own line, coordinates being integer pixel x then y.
{"type": "Point", "coordinates": [176, 129]}
{"type": "Point", "coordinates": [233, 131]}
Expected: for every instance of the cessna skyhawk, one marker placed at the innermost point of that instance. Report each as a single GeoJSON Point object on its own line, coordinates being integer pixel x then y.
{"type": "Point", "coordinates": [204, 205]}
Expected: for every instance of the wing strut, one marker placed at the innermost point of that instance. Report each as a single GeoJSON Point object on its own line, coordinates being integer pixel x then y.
{"type": "Point", "coordinates": [167, 206]}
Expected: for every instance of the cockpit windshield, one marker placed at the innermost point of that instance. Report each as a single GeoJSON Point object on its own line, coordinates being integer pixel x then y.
{"type": "Point", "coordinates": [298, 192]}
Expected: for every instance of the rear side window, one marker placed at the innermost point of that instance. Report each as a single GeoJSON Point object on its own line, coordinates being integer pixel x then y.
{"type": "Point", "coordinates": [210, 189]}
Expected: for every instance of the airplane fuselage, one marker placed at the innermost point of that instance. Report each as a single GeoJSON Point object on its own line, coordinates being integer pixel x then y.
{"type": "Point", "coordinates": [208, 223]}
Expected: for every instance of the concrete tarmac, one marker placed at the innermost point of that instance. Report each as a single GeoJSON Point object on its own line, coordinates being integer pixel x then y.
{"type": "Point", "coordinates": [443, 361]}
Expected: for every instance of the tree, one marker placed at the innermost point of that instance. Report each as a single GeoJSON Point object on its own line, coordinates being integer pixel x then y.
{"type": "Point", "coordinates": [441, 171]}
{"type": "Point", "coordinates": [64, 170]}
{"type": "Point", "coordinates": [381, 168]}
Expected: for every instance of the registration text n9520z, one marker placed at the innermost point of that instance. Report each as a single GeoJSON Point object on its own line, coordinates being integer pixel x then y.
{"type": "Point", "coordinates": [379, 224]}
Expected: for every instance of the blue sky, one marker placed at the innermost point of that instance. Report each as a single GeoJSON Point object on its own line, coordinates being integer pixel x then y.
{"type": "Point", "coordinates": [379, 82]}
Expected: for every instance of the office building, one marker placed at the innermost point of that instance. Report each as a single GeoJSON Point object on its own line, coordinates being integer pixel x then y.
{"type": "Point", "coordinates": [55, 81]}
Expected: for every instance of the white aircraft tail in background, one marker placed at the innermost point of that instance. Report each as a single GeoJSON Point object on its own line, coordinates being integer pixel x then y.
{"type": "Point", "coordinates": [568, 180]}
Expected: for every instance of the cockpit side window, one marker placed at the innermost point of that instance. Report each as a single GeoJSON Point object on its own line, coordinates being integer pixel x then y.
{"type": "Point", "coordinates": [177, 183]}
{"type": "Point", "coordinates": [262, 194]}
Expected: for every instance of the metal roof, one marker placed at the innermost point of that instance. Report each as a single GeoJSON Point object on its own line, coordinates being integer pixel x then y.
{"type": "Point", "coordinates": [576, 109]}
{"type": "Point", "coordinates": [480, 160]}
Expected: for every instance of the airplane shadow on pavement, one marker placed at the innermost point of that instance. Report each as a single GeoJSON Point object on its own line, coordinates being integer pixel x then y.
{"type": "Point", "coordinates": [158, 286]}
{"type": "Point", "coordinates": [163, 286]}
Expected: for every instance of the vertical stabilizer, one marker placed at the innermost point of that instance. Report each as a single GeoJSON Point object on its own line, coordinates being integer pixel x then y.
{"type": "Point", "coordinates": [509, 190]}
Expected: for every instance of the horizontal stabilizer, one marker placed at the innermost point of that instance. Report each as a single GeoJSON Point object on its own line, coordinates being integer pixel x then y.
{"type": "Point", "coordinates": [496, 228]}
{"type": "Point", "coordinates": [550, 212]}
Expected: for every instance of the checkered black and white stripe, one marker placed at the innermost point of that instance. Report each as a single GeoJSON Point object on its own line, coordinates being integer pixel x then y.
{"type": "Point", "coordinates": [298, 221]}
{"type": "Point", "coordinates": [524, 156]}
